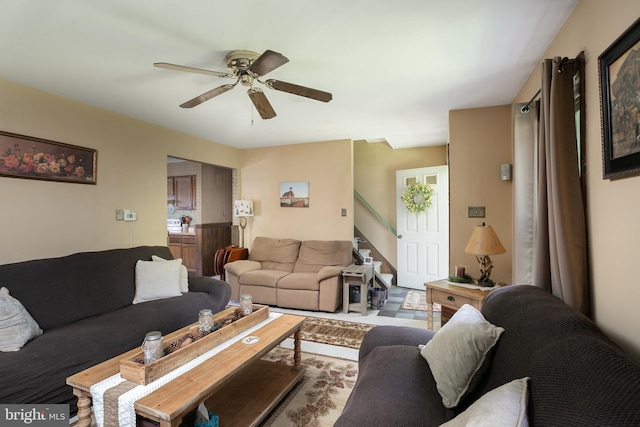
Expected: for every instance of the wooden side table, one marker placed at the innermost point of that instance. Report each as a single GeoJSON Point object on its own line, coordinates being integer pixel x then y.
{"type": "Point", "coordinates": [356, 275]}
{"type": "Point", "coordinates": [452, 296]}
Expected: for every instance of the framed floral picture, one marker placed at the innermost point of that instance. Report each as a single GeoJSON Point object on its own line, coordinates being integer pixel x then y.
{"type": "Point", "coordinates": [619, 74]}
{"type": "Point", "coordinates": [35, 158]}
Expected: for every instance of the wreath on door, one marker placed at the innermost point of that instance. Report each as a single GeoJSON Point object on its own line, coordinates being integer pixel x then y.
{"type": "Point", "coordinates": [417, 197]}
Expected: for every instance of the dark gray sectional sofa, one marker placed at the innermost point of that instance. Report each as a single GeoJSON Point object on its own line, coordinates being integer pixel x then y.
{"type": "Point", "coordinates": [83, 302]}
{"type": "Point", "coordinates": [578, 376]}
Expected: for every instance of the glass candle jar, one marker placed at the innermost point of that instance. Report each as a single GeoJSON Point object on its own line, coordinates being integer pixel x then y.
{"type": "Point", "coordinates": [152, 347]}
{"type": "Point", "coordinates": [205, 320]}
{"type": "Point", "coordinates": [246, 305]}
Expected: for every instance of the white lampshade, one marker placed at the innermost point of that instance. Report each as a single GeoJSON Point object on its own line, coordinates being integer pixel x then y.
{"type": "Point", "coordinates": [243, 208]}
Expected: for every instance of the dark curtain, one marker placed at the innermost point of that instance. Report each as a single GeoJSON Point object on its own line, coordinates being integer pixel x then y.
{"type": "Point", "coordinates": [560, 260]}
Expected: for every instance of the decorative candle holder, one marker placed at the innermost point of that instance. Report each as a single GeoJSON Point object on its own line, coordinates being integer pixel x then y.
{"type": "Point", "coordinates": [246, 304]}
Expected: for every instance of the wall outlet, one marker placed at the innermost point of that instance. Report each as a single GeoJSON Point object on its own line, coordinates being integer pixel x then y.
{"type": "Point", "coordinates": [476, 211]}
{"type": "Point", "coordinates": [119, 214]}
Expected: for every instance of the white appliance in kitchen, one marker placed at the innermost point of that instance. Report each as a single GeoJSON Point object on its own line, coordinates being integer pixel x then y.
{"type": "Point", "coordinates": [174, 225]}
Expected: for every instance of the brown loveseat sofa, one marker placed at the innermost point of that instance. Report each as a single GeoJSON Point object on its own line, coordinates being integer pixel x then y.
{"type": "Point", "coordinates": [291, 273]}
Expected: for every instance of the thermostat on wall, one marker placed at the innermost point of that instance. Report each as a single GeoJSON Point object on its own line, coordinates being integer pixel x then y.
{"type": "Point", "coordinates": [129, 216]}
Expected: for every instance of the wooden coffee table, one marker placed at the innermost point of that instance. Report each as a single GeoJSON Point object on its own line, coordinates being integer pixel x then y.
{"type": "Point", "coordinates": [236, 385]}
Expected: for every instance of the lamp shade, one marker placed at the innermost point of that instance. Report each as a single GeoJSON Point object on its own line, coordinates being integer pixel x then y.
{"type": "Point", "coordinates": [243, 208]}
{"type": "Point", "coordinates": [484, 241]}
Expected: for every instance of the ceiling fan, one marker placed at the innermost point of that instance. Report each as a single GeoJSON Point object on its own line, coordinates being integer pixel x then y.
{"type": "Point", "coordinates": [247, 67]}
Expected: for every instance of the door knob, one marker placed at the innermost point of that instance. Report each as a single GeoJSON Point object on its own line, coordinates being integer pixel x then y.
{"type": "Point", "coordinates": [399, 236]}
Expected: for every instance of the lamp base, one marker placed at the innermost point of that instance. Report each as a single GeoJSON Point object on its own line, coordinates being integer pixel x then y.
{"type": "Point", "coordinates": [486, 283]}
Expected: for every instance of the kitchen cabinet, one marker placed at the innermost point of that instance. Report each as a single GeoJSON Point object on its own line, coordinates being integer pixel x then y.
{"type": "Point", "coordinates": [181, 191]}
{"type": "Point", "coordinates": [197, 250]}
{"type": "Point", "coordinates": [184, 246]}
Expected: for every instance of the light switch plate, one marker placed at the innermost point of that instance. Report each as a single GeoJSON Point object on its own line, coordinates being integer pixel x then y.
{"type": "Point", "coordinates": [119, 214]}
{"type": "Point", "coordinates": [476, 211]}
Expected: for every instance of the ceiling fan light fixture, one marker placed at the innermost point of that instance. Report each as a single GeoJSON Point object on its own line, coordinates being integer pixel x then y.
{"type": "Point", "coordinates": [246, 80]}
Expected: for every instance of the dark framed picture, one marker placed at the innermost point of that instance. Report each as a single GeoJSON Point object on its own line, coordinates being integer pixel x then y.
{"type": "Point", "coordinates": [619, 75]}
{"type": "Point", "coordinates": [35, 158]}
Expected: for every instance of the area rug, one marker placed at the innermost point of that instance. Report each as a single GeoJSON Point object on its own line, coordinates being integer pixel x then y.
{"type": "Point", "coordinates": [334, 332]}
{"type": "Point", "coordinates": [415, 300]}
{"type": "Point", "coordinates": [318, 399]}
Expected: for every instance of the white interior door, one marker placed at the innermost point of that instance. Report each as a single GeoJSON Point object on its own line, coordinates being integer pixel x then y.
{"type": "Point", "coordinates": [423, 239]}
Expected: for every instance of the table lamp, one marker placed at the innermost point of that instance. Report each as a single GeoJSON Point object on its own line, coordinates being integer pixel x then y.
{"type": "Point", "coordinates": [484, 242]}
{"type": "Point", "coordinates": [242, 209]}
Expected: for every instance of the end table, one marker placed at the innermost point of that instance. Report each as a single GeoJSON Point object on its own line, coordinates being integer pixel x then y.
{"type": "Point", "coordinates": [356, 275]}
{"type": "Point", "coordinates": [452, 296]}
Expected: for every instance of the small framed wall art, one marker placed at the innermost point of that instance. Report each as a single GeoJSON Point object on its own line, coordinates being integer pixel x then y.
{"type": "Point", "coordinates": [294, 194]}
{"type": "Point", "coordinates": [619, 74]}
{"type": "Point", "coordinates": [35, 158]}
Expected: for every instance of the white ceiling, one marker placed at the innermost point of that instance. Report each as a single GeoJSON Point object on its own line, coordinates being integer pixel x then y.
{"type": "Point", "coordinates": [395, 68]}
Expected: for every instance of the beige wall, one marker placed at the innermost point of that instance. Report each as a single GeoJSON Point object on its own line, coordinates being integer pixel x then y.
{"type": "Point", "coordinates": [375, 166]}
{"type": "Point", "coordinates": [612, 205]}
{"type": "Point", "coordinates": [479, 142]}
{"type": "Point", "coordinates": [41, 219]}
{"type": "Point", "coordinates": [327, 166]}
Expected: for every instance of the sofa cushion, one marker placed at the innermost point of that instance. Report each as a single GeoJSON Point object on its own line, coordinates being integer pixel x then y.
{"type": "Point", "coordinates": [315, 254]}
{"type": "Point", "coordinates": [300, 281]}
{"type": "Point", "coordinates": [184, 273]}
{"type": "Point", "coordinates": [262, 277]}
{"type": "Point", "coordinates": [503, 406]}
{"type": "Point", "coordinates": [275, 254]}
{"type": "Point", "coordinates": [157, 280]}
{"type": "Point", "coordinates": [458, 350]}
{"type": "Point", "coordinates": [17, 327]}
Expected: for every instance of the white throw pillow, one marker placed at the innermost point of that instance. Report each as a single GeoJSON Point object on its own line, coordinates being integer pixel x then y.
{"type": "Point", "coordinates": [157, 280]}
{"type": "Point", "coordinates": [456, 352]}
{"type": "Point", "coordinates": [184, 274]}
{"type": "Point", "coordinates": [505, 406]}
{"type": "Point", "coordinates": [17, 327]}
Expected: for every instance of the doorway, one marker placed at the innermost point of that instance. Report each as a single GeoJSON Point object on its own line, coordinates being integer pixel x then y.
{"type": "Point", "coordinates": [423, 239]}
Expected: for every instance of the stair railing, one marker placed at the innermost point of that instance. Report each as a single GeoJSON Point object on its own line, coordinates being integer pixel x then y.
{"type": "Point", "coordinates": [377, 215]}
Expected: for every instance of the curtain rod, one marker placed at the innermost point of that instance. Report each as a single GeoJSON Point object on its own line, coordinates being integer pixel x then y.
{"type": "Point", "coordinates": [525, 108]}
{"type": "Point", "coordinates": [564, 61]}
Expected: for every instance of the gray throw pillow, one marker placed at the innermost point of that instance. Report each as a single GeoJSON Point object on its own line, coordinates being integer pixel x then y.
{"type": "Point", "coordinates": [456, 352]}
{"type": "Point", "coordinates": [503, 406]}
{"type": "Point", "coordinates": [17, 327]}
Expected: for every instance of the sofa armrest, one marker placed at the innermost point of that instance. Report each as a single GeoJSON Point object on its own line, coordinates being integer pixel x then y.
{"type": "Point", "coordinates": [241, 266]}
{"type": "Point", "coordinates": [219, 291]}
{"type": "Point", "coordinates": [329, 271]}
{"type": "Point", "coordinates": [393, 335]}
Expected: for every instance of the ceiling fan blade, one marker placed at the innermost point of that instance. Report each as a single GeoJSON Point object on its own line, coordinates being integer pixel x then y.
{"type": "Point", "coordinates": [261, 103]}
{"type": "Point", "coordinates": [207, 96]}
{"type": "Point", "coordinates": [307, 92]}
{"type": "Point", "coordinates": [175, 67]}
{"type": "Point", "coordinates": [267, 62]}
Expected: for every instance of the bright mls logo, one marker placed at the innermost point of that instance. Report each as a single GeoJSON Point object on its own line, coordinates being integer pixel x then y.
{"type": "Point", "coordinates": [34, 415]}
